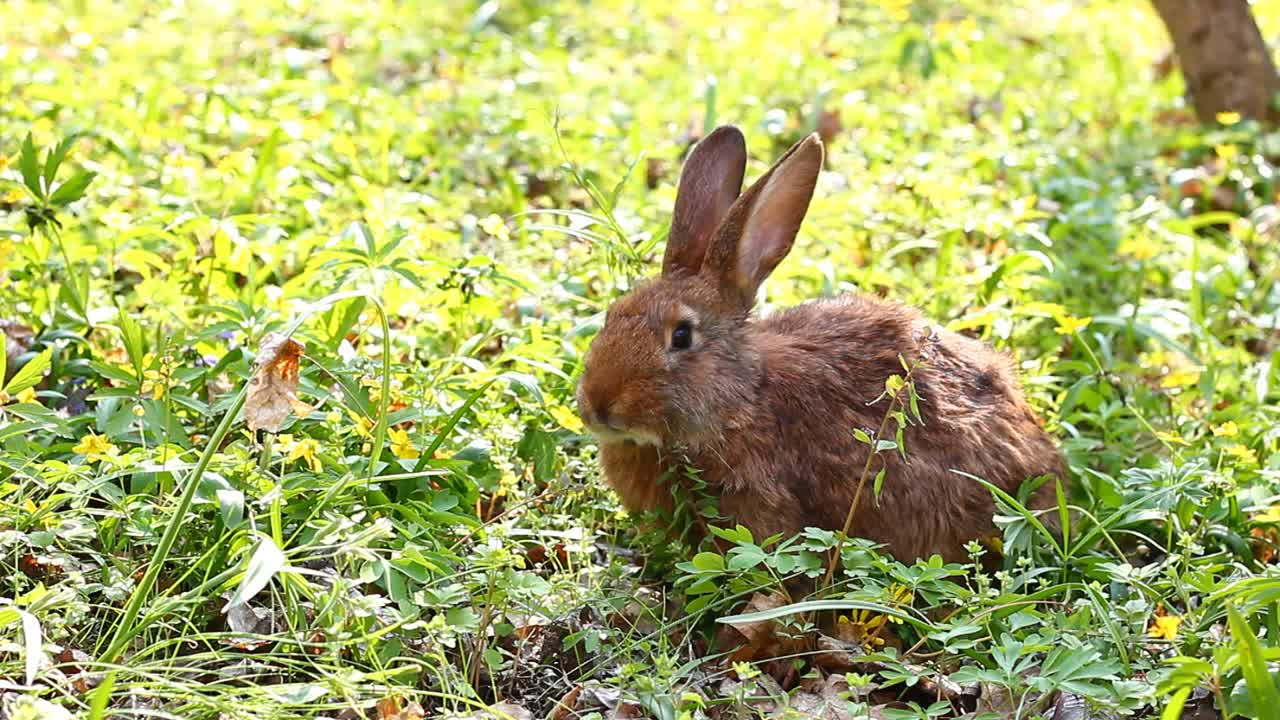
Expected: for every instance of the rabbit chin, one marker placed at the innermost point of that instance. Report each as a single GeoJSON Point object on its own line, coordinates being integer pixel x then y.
{"type": "Point", "coordinates": [610, 436]}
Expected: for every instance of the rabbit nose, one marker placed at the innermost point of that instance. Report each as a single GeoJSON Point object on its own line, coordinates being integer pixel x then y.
{"type": "Point", "coordinates": [594, 407]}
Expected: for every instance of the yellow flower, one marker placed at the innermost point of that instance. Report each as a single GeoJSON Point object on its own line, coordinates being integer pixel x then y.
{"type": "Point", "coordinates": [1171, 438]}
{"type": "Point", "coordinates": [27, 396]}
{"type": "Point", "coordinates": [566, 417]}
{"type": "Point", "coordinates": [1242, 453]}
{"type": "Point", "coordinates": [863, 627]}
{"type": "Point", "coordinates": [1226, 152]}
{"type": "Point", "coordinates": [1140, 247]}
{"type": "Point", "coordinates": [1271, 516]}
{"type": "Point", "coordinates": [304, 449]}
{"type": "Point", "coordinates": [1068, 325]}
{"type": "Point", "coordinates": [363, 425]}
{"type": "Point", "coordinates": [1165, 626]}
{"type": "Point", "coordinates": [1228, 118]}
{"type": "Point", "coordinates": [96, 447]}
{"type": "Point", "coordinates": [1226, 429]}
{"type": "Point", "coordinates": [496, 227]}
{"type": "Point", "coordinates": [1181, 377]}
{"type": "Point", "coordinates": [401, 446]}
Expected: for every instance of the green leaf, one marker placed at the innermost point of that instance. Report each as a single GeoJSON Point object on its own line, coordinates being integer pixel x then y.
{"type": "Point", "coordinates": [29, 164]}
{"type": "Point", "coordinates": [708, 562]}
{"type": "Point", "coordinates": [879, 481]}
{"type": "Point", "coordinates": [54, 159]}
{"type": "Point", "coordinates": [744, 557]}
{"type": "Point", "coordinates": [267, 560]}
{"type": "Point", "coordinates": [29, 375]}
{"type": "Point", "coordinates": [73, 189]}
{"type": "Point", "coordinates": [813, 606]}
{"type": "Point", "coordinates": [132, 336]}
{"type": "Point", "coordinates": [101, 698]}
{"type": "Point", "coordinates": [1253, 665]}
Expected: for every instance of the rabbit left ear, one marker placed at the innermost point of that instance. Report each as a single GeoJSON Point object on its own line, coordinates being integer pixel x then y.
{"type": "Point", "coordinates": [762, 225]}
{"type": "Point", "coordinates": [709, 183]}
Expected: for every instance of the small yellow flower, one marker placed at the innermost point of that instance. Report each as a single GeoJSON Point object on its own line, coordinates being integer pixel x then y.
{"type": "Point", "coordinates": [1141, 247]}
{"type": "Point", "coordinates": [306, 450]}
{"type": "Point", "coordinates": [1165, 626]}
{"type": "Point", "coordinates": [1226, 152]}
{"type": "Point", "coordinates": [95, 447]}
{"type": "Point", "coordinates": [1171, 438]}
{"type": "Point", "coordinates": [1228, 118]}
{"type": "Point", "coordinates": [1068, 325]}
{"type": "Point", "coordinates": [1226, 429]}
{"type": "Point", "coordinates": [27, 396]}
{"type": "Point", "coordinates": [862, 626]}
{"type": "Point", "coordinates": [364, 426]}
{"type": "Point", "coordinates": [1182, 377]}
{"type": "Point", "coordinates": [4, 162]}
{"type": "Point", "coordinates": [566, 417]}
{"type": "Point", "coordinates": [401, 446]}
{"type": "Point", "coordinates": [1271, 516]}
{"type": "Point", "coordinates": [1242, 453]}
{"type": "Point", "coordinates": [496, 226]}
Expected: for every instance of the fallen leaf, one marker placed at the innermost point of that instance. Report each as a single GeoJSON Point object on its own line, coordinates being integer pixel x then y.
{"type": "Point", "coordinates": [566, 705]}
{"type": "Point", "coordinates": [18, 338]}
{"type": "Point", "coordinates": [1070, 706]}
{"type": "Point", "coordinates": [655, 170]}
{"type": "Point", "coordinates": [825, 700]}
{"type": "Point", "coordinates": [273, 388]}
{"type": "Point", "coordinates": [829, 125]}
{"type": "Point", "coordinates": [995, 699]}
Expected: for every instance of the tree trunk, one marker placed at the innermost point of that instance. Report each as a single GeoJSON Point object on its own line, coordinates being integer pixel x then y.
{"type": "Point", "coordinates": [1224, 60]}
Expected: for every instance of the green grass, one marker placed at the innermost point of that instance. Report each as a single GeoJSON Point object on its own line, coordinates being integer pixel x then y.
{"type": "Point", "coordinates": [492, 176]}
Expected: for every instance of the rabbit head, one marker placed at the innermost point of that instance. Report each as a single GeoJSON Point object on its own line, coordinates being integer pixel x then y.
{"type": "Point", "coordinates": [674, 357]}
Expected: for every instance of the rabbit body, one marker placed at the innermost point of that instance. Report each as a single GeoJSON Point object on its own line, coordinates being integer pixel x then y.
{"type": "Point", "coordinates": [765, 409]}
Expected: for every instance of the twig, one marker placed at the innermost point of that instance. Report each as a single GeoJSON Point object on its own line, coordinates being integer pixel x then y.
{"type": "Point", "coordinates": [838, 550]}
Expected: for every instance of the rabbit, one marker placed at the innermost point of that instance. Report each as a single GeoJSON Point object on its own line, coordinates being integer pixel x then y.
{"type": "Point", "coordinates": [680, 375]}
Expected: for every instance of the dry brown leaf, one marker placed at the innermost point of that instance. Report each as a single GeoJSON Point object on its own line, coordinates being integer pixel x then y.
{"type": "Point", "coordinates": [497, 711]}
{"type": "Point", "coordinates": [825, 700]}
{"type": "Point", "coordinates": [761, 635]}
{"type": "Point", "coordinates": [507, 711]}
{"type": "Point", "coordinates": [567, 704]}
{"type": "Point", "coordinates": [18, 338]}
{"type": "Point", "coordinates": [995, 699]}
{"type": "Point", "coordinates": [829, 125]}
{"type": "Point", "coordinates": [274, 386]}
{"type": "Point", "coordinates": [388, 708]}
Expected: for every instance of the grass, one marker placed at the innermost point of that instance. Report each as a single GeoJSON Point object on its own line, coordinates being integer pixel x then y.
{"type": "Point", "coordinates": [433, 537]}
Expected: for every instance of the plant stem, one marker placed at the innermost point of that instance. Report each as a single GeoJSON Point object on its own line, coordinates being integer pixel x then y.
{"type": "Point", "coordinates": [838, 550]}
{"type": "Point", "coordinates": [125, 628]}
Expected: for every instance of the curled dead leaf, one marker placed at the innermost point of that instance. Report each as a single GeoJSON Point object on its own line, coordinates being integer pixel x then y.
{"type": "Point", "coordinates": [497, 711]}
{"type": "Point", "coordinates": [565, 707]}
{"type": "Point", "coordinates": [18, 338]}
{"type": "Point", "coordinates": [829, 125]}
{"type": "Point", "coordinates": [274, 385]}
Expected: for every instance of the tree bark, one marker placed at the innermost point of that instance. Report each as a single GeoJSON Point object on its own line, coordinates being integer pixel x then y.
{"type": "Point", "coordinates": [1224, 60]}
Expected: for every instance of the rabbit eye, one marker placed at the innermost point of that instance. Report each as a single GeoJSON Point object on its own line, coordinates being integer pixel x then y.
{"type": "Point", "coordinates": [682, 335]}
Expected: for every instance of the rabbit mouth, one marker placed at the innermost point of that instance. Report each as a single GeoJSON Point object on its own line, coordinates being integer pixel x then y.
{"type": "Point", "coordinates": [615, 435]}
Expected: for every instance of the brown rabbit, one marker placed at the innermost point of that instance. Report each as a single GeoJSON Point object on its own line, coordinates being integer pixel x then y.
{"type": "Point", "coordinates": [765, 409]}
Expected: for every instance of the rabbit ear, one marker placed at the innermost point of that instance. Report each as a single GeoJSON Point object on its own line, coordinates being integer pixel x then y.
{"type": "Point", "coordinates": [709, 183]}
{"type": "Point", "coordinates": [763, 223]}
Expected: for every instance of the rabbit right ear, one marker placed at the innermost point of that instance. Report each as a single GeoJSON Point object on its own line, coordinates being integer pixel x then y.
{"type": "Point", "coordinates": [709, 184]}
